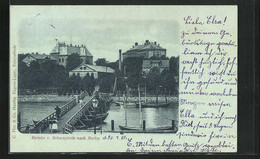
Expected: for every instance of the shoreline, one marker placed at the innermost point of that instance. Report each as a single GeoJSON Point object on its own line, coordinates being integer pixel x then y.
{"type": "Point", "coordinates": [149, 99]}
{"type": "Point", "coordinates": [43, 98]}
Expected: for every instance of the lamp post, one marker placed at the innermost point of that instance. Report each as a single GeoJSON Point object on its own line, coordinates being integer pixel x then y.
{"type": "Point", "coordinates": [95, 103]}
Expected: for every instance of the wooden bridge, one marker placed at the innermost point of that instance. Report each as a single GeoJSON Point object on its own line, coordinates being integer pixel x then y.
{"type": "Point", "coordinates": [69, 125]}
{"type": "Point", "coordinates": [67, 110]}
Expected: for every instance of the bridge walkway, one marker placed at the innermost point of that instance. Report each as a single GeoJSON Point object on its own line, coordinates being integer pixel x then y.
{"type": "Point", "coordinates": [63, 119]}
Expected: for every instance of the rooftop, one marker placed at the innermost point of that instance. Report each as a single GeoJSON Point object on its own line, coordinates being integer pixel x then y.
{"type": "Point", "coordinates": [146, 46]}
{"type": "Point", "coordinates": [63, 44]}
{"type": "Point", "coordinates": [96, 68]}
{"type": "Point", "coordinates": [38, 56]}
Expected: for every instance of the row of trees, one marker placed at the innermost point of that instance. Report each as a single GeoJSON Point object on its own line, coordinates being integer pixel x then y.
{"type": "Point", "coordinates": [51, 76]}
{"type": "Point", "coordinates": [131, 75]}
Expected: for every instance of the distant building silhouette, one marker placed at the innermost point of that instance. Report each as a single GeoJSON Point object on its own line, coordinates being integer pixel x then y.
{"type": "Point", "coordinates": [147, 50]}
{"type": "Point", "coordinates": [37, 57]}
{"type": "Point", "coordinates": [154, 55]}
{"type": "Point", "coordinates": [62, 50]}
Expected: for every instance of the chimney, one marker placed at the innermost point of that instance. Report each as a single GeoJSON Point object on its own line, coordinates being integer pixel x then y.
{"type": "Point", "coordinates": [119, 64]}
{"type": "Point", "coordinates": [136, 43]}
{"type": "Point", "coordinates": [36, 53]}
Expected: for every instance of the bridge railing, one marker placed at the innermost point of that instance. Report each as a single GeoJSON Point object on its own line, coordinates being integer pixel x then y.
{"type": "Point", "coordinates": [44, 123]}
{"type": "Point", "coordinates": [70, 123]}
{"type": "Point", "coordinates": [82, 95]}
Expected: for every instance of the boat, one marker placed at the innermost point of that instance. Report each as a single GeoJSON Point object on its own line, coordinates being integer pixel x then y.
{"type": "Point", "coordinates": [130, 104]}
{"type": "Point", "coordinates": [103, 116]}
{"type": "Point", "coordinates": [153, 105]}
{"type": "Point", "coordinates": [140, 128]}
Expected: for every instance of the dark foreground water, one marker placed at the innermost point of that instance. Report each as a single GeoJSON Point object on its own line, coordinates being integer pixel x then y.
{"type": "Point", "coordinates": [36, 111]}
{"type": "Point", "coordinates": [153, 116]}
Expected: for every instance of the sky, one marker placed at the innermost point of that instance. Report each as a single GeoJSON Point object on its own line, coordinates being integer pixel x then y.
{"type": "Point", "coordinates": [100, 30]}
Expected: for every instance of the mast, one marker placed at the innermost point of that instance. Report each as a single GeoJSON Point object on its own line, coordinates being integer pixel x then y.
{"type": "Point", "coordinates": [145, 93]}
{"type": "Point", "coordinates": [125, 99]}
{"type": "Point", "coordinates": [125, 109]}
{"type": "Point", "coordinates": [140, 108]}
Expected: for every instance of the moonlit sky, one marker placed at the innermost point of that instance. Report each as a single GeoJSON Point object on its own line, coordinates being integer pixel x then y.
{"type": "Point", "coordinates": [103, 37]}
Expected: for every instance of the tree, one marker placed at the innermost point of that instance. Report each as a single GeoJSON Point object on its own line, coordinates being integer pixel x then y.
{"type": "Point", "coordinates": [174, 65]}
{"type": "Point", "coordinates": [168, 83]}
{"type": "Point", "coordinates": [101, 62]}
{"type": "Point", "coordinates": [105, 82]}
{"type": "Point", "coordinates": [153, 80]}
{"type": "Point", "coordinates": [133, 71]}
{"type": "Point", "coordinates": [92, 83]}
{"type": "Point", "coordinates": [23, 71]}
{"type": "Point", "coordinates": [73, 61]}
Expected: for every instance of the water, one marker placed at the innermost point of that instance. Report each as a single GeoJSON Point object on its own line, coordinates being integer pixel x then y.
{"type": "Point", "coordinates": [36, 111]}
{"type": "Point", "coordinates": [153, 117]}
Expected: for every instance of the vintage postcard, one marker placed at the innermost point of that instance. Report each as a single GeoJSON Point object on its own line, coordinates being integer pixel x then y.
{"type": "Point", "coordinates": [138, 79]}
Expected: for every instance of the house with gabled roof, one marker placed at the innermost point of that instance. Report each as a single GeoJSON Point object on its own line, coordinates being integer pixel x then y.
{"type": "Point", "coordinates": [37, 57]}
{"type": "Point", "coordinates": [84, 69]}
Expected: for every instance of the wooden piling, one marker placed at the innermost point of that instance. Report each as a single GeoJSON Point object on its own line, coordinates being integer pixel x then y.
{"type": "Point", "coordinates": [173, 124]}
{"type": "Point", "coordinates": [143, 124]}
{"type": "Point", "coordinates": [112, 125]}
{"type": "Point", "coordinates": [95, 128]}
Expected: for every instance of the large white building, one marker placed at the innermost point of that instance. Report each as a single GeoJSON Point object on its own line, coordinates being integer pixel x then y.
{"type": "Point", "coordinates": [85, 69]}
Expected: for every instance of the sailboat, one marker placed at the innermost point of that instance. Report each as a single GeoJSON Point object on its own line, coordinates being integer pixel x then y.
{"type": "Point", "coordinates": [140, 119]}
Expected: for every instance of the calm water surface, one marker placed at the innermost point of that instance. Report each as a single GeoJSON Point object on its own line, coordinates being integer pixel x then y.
{"type": "Point", "coordinates": [153, 116]}
{"type": "Point", "coordinates": [36, 111]}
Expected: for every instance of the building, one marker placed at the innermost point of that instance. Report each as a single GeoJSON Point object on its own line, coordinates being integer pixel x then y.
{"type": "Point", "coordinates": [85, 69]}
{"type": "Point", "coordinates": [148, 64]}
{"type": "Point", "coordinates": [154, 55]}
{"type": "Point", "coordinates": [147, 50]}
{"type": "Point", "coordinates": [62, 50]}
{"type": "Point", "coordinates": [37, 57]}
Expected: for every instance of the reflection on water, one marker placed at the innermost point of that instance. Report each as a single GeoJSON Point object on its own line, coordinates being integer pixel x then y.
{"type": "Point", "coordinates": [36, 111]}
{"type": "Point", "coordinates": [153, 116]}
